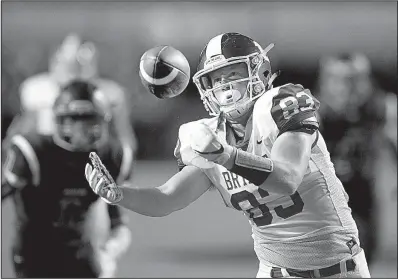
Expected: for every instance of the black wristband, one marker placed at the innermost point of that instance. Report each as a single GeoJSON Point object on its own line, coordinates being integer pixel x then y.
{"type": "Point", "coordinates": [254, 168]}
{"type": "Point", "coordinates": [254, 176]}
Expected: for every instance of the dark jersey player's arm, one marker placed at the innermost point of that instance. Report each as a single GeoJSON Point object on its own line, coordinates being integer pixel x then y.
{"type": "Point", "coordinates": [123, 125]}
{"type": "Point", "coordinates": [20, 168]}
{"type": "Point", "coordinates": [120, 236]}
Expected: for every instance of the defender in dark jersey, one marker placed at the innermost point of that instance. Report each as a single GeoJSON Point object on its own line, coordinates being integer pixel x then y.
{"type": "Point", "coordinates": [352, 120]}
{"type": "Point", "coordinates": [58, 218]}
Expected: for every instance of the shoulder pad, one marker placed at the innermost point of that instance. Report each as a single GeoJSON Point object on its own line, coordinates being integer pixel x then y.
{"type": "Point", "coordinates": [39, 91]}
{"type": "Point", "coordinates": [294, 107]}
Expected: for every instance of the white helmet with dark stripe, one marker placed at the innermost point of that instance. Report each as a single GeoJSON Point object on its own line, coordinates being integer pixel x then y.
{"type": "Point", "coordinates": [233, 49]}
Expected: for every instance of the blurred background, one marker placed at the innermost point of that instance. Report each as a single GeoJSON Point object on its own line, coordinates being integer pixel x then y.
{"type": "Point", "coordinates": [312, 40]}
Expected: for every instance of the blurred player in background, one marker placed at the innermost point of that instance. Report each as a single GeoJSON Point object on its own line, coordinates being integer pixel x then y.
{"type": "Point", "coordinates": [386, 188]}
{"type": "Point", "coordinates": [352, 118]}
{"type": "Point", "coordinates": [73, 59]}
{"type": "Point", "coordinates": [262, 150]}
{"type": "Point", "coordinates": [59, 221]}
{"type": "Point", "coordinates": [390, 127]}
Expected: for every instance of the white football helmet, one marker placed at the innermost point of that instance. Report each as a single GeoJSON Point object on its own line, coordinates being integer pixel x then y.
{"type": "Point", "coordinates": [236, 50]}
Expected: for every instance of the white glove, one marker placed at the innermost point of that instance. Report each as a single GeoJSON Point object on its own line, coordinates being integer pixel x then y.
{"type": "Point", "coordinates": [205, 149]}
{"type": "Point", "coordinates": [101, 182]}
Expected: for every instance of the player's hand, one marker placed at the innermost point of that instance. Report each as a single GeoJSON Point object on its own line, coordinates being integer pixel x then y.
{"type": "Point", "coordinates": [112, 248]}
{"type": "Point", "coordinates": [107, 264]}
{"type": "Point", "coordinates": [101, 182]}
{"type": "Point", "coordinates": [206, 144]}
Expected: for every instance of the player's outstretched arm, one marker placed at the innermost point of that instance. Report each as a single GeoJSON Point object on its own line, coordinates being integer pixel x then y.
{"type": "Point", "coordinates": [177, 193]}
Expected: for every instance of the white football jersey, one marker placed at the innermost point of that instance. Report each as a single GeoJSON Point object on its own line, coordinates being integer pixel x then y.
{"type": "Point", "coordinates": [297, 231]}
{"type": "Point", "coordinates": [38, 94]}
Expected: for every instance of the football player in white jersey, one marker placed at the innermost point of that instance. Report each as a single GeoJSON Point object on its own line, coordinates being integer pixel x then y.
{"type": "Point", "coordinates": [264, 154]}
{"type": "Point", "coordinates": [73, 59]}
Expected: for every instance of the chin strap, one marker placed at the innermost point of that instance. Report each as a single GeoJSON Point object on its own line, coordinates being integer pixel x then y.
{"type": "Point", "coordinates": [220, 120]}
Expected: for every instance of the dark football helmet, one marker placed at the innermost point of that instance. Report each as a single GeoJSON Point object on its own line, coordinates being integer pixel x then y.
{"type": "Point", "coordinates": [227, 52]}
{"type": "Point", "coordinates": [82, 114]}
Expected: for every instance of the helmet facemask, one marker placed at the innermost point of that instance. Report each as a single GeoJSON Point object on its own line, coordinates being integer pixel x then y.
{"type": "Point", "coordinates": [234, 103]}
{"type": "Point", "coordinates": [80, 126]}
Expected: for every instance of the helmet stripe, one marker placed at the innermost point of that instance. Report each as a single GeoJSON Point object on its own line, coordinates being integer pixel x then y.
{"type": "Point", "coordinates": [158, 81]}
{"type": "Point", "coordinates": [214, 47]}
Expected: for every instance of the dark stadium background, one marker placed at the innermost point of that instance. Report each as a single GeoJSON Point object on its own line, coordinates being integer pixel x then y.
{"type": "Point", "coordinates": [206, 239]}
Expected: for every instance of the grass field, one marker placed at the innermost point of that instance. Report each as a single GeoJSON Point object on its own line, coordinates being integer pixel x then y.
{"type": "Point", "coordinates": [204, 240]}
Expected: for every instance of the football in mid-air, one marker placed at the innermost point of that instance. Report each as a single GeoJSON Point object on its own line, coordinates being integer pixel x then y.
{"type": "Point", "coordinates": [164, 71]}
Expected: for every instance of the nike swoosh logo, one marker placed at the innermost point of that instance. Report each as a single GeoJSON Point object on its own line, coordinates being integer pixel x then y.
{"type": "Point", "coordinates": [218, 151]}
